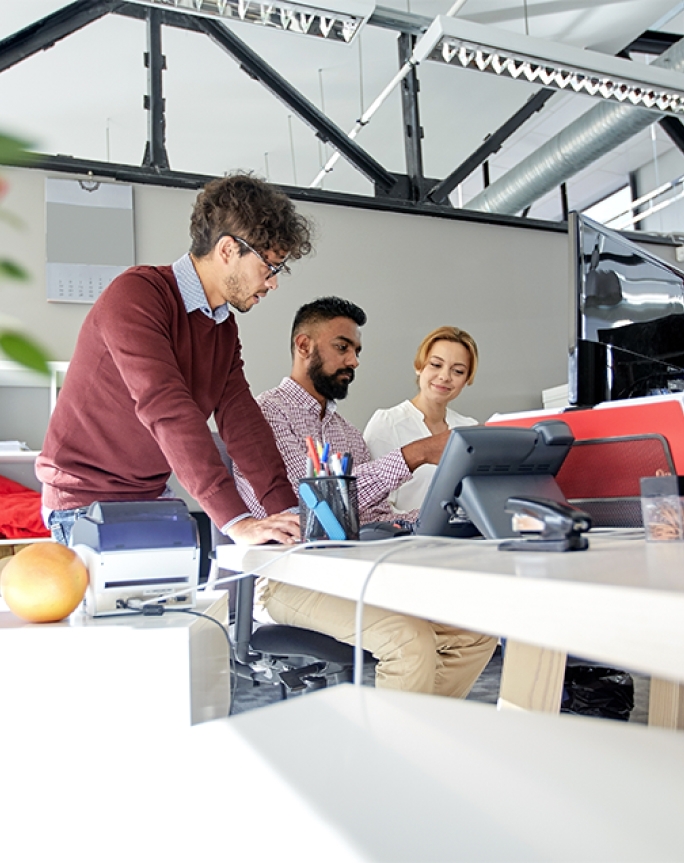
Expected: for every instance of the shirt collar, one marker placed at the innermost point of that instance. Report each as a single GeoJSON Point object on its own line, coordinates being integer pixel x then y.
{"type": "Point", "coordinates": [192, 292]}
{"type": "Point", "coordinates": [298, 394]}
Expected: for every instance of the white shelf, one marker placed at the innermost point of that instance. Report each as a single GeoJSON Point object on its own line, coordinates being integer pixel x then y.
{"type": "Point", "coordinates": [18, 466]}
{"type": "Point", "coordinates": [14, 375]}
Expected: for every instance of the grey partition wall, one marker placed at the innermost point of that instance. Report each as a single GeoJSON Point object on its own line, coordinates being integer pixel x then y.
{"type": "Point", "coordinates": [506, 285]}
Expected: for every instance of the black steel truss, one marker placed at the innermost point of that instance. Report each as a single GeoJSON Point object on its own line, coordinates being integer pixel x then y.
{"type": "Point", "coordinates": [43, 34]}
{"type": "Point", "coordinates": [155, 149]}
{"type": "Point", "coordinates": [324, 128]}
{"type": "Point", "coordinates": [439, 194]}
{"type": "Point", "coordinates": [412, 187]}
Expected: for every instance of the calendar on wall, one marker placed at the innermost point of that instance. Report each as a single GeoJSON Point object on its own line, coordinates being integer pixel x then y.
{"type": "Point", "coordinates": [89, 237]}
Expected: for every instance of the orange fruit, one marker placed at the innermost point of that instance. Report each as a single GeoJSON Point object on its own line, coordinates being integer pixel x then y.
{"type": "Point", "coordinates": [44, 582]}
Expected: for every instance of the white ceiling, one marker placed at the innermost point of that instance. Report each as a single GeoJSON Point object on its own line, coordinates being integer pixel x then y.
{"type": "Point", "coordinates": [83, 97]}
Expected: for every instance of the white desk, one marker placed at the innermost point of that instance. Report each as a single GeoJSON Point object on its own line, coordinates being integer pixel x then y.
{"type": "Point", "coordinates": [113, 673]}
{"type": "Point", "coordinates": [353, 774]}
{"type": "Point", "coordinates": [621, 602]}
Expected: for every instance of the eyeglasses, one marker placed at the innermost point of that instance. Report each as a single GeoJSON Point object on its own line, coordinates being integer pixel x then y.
{"type": "Point", "coordinates": [274, 269]}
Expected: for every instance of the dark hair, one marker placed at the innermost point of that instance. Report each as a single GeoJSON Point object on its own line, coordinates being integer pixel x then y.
{"type": "Point", "coordinates": [245, 206]}
{"type": "Point", "coordinates": [325, 309]}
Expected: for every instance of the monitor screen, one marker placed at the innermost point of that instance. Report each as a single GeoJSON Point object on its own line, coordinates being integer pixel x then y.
{"type": "Point", "coordinates": [627, 318]}
{"type": "Point", "coordinates": [481, 467]}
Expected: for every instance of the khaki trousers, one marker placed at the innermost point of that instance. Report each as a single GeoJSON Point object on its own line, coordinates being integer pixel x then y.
{"type": "Point", "coordinates": [413, 654]}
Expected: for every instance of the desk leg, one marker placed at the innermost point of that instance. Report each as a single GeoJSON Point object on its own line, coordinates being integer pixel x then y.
{"type": "Point", "coordinates": [666, 704]}
{"type": "Point", "coordinates": [532, 678]}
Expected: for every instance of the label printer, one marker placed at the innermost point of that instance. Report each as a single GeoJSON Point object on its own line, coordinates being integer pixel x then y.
{"type": "Point", "coordinates": [137, 552]}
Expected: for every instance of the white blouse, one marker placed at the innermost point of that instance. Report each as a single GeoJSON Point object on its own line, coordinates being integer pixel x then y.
{"type": "Point", "coordinates": [391, 428]}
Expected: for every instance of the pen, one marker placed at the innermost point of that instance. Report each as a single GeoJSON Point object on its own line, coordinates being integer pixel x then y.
{"type": "Point", "coordinates": [313, 455]}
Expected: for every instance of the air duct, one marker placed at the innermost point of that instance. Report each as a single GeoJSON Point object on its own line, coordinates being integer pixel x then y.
{"type": "Point", "coordinates": [593, 135]}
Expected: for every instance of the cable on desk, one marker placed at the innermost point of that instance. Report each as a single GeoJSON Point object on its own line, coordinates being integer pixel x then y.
{"type": "Point", "coordinates": [358, 625]}
{"type": "Point", "coordinates": [232, 677]}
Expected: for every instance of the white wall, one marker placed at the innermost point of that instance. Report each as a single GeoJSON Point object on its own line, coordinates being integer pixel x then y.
{"type": "Point", "coordinates": [506, 286]}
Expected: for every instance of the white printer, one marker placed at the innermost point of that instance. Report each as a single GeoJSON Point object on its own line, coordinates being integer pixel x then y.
{"type": "Point", "coordinates": [137, 551]}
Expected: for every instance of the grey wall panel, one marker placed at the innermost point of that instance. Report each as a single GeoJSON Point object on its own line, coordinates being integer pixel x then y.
{"type": "Point", "coordinates": [506, 286]}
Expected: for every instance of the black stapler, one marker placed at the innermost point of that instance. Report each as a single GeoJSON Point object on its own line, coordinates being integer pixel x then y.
{"type": "Point", "coordinates": [557, 526]}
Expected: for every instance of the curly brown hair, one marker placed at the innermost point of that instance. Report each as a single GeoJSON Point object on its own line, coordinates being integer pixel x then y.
{"type": "Point", "coordinates": [245, 206]}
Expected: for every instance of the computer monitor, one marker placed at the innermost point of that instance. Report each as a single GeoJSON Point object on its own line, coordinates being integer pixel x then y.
{"type": "Point", "coordinates": [481, 467]}
{"type": "Point", "coordinates": [626, 320]}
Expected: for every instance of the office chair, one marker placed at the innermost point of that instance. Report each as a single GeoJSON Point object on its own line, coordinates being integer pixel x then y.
{"type": "Point", "coordinates": [291, 657]}
{"type": "Point", "coordinates": [602, 475]}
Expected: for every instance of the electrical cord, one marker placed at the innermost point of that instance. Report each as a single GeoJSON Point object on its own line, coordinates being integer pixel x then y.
{"type": "Point", "coordinates": [157, 606]}
{"type": "Point", "coordinates": [232, 676]}
{"type": "Point", "coordinates": [158, 609]}
{"type": "Point", "coordinates": [358, 624]}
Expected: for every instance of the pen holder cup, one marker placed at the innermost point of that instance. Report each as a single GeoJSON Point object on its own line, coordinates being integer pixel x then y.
{"type": "Point", "coordinates": [328, 508]}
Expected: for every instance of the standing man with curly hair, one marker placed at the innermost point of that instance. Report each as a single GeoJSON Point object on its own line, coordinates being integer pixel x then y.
{"type": "Point", "coordinates": [158, 354]}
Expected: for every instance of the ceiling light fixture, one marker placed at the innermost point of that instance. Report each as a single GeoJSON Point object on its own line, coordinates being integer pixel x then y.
{"type": "Point", "coordinates": [337, 23]}
{"type": "Point", "coordinates": [551, 64]}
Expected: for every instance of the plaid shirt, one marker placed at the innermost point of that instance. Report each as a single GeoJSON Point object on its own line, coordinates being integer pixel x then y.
{"type": "Point", "coordinates": [294, 415]}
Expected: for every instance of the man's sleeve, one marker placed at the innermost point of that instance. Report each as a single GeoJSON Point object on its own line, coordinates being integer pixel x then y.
{"type": "Point", "coordinates": [291, 447]}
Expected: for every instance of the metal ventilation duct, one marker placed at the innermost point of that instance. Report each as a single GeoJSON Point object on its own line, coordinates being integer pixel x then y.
{"type": "Point", "coordinates": [593, 135]}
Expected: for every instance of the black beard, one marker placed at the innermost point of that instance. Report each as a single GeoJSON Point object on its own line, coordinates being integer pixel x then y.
{"type": "Point", "coordinates": [329, 386]}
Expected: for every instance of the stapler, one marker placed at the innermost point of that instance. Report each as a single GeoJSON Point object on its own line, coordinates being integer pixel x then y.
{"type": "Point", "coordinates": [546, 525]}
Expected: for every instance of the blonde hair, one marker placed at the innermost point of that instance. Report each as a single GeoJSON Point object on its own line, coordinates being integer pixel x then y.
{"type": "Point", "coordinates": [447, 334]}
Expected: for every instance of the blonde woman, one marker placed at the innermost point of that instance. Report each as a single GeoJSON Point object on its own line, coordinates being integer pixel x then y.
{"type": "Point", "coordinates": [445, 363]}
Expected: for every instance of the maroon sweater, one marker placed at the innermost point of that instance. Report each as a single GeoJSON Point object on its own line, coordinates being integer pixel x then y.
{"type": "Point", "coordinates": [144, 379]}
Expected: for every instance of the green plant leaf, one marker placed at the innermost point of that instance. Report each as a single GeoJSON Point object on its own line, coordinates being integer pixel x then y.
{"type": "Point", "coordinates": [13, 151]}
{"type": "Point", "coordinates": [10, 270]}
{"type": "Point", "coordinates": [24, 351]}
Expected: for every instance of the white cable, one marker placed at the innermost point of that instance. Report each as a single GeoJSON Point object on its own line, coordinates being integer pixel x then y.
{"type": "Point", "coordinates": [358, 625]}
{"type": "Point", "coordinates": [318, 543]}
{"type": "Point", "coordinates": [365, 118]}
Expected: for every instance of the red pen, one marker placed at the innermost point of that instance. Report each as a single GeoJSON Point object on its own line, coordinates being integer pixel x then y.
{"type": "Point", "coordinates": [313, 455]}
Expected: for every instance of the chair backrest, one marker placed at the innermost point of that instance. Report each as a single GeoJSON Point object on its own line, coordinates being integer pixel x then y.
{"type": "Point", "coordinates": [601, 476]}
{"type": "Point", "coordinates": [275, 640]}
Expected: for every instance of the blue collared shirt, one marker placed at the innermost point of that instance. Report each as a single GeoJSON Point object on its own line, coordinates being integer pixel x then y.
{"type": "Point", "coordinates": [192, 291]}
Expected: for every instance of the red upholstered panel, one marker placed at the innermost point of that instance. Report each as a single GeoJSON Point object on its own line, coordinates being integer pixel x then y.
{"type": "Point", "coordinates": [612, 468]}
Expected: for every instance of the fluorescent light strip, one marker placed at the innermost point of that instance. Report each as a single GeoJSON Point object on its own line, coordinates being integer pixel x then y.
{"type": "Point", "coordinates": [635, 218]}
{"type": "Point", "coordinates": [562, 67]}
{"type": "Point", "coordinates": [337, 25]}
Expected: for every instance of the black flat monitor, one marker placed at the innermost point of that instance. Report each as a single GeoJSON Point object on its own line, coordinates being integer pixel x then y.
{"type": "Point", "coordinates": [481, 467]}
{"type": "Point", "coordinates": [626, 318]}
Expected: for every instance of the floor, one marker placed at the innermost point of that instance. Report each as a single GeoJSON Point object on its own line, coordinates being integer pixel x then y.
{"type": "Point", "coordinates": [486, 689]}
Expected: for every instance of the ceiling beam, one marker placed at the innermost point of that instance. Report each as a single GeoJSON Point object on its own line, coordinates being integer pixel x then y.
{"type": "Point", "coordinates": [651, 42]}
{"type": "Point", "coordinates": [675, 130]}
{"type": "Point", "coordinates": [44, 33]}
{"type": "Point", "coordinates": [438, 194]}
{"type": "Point", "coordinates": [155, 150]}
{"type": "Point", "coordinates": [383, 17]}
{"type": "Point", "coordinates": [324, 128]}
{"type": "Point", "coordinates": [413, 131]}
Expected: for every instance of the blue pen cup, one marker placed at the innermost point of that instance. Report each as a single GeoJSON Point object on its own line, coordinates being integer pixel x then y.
{"type": "Point", "coordinates": [336, 497]}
